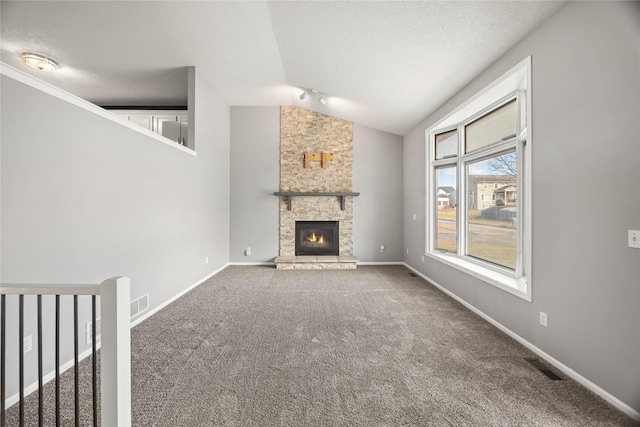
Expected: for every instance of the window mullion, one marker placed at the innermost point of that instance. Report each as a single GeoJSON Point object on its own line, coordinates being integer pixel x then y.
{"type": "Point", "coordinates": [433, 206]}
{"type": "Point", "coordinates": [462, 195]}
{"type": "Point", "coordinates": [521, 197]}
{"type": "Point", "coordinates": [460, 210]}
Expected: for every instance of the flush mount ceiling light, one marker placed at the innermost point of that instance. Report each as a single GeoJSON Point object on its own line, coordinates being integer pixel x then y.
{"type": "Point", "coordinates": [321, 97]}
{"type": "Point", "coordinates": [39, 62]}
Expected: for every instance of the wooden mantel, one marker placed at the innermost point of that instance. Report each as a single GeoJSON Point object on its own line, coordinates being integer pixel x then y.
{"type": "Point", "coordinates": [291, 194]}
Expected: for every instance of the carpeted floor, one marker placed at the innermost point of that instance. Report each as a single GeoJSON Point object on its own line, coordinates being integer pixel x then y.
{"type": "Point", "coordinates": [376, 346]}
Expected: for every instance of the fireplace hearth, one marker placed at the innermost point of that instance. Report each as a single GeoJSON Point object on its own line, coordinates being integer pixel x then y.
{"type": "Point", "coordinates": [317, 238]}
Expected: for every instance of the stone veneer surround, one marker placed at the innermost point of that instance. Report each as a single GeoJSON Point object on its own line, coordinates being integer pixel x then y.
{"type": "Point", "coordinates": [303, 131]}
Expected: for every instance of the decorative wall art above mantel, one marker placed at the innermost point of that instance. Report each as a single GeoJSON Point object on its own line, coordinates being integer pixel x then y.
{"type": "Point", "coordinates": [323, 158]}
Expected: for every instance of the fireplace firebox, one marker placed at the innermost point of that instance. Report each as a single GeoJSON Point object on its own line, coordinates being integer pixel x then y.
{"type": "Point", "coordinates": [317, 238]}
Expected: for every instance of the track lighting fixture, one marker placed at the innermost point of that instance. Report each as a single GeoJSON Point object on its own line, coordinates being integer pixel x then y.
{"type": "Point", "coordinates": [321, 97]}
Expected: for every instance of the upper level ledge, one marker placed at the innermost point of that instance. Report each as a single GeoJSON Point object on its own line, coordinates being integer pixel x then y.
{"type": "Point", "coordinates": [291, 194]}
{"type": "Point", "coordinates": [42, 86]}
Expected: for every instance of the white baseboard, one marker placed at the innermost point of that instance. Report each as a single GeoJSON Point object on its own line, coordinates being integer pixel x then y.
{"type": "Point", "coordinates": [267, 263]}
{"type": "Point", "coordinates": [631, 412]}
{"type": "Point", "coordinates": [271, 263]}
{"type": "Point", "coordinates": [12, 400]}
{"type": "Point", "coordinates": [175, 297]}
{"type": "Point", "coordinates": [381, 263]}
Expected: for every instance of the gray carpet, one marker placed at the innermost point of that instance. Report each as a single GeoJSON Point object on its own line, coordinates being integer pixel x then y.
{"type": "Point", "coordinates": [256, 346]}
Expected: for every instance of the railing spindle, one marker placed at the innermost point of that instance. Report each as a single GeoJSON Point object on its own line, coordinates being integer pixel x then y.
{"type": "Point", "coordinates": [2, 352]}
{"type": "Point", "coordinates": [93, 360]}
{"type": "Point", "coordinates": [57, 360]}
{"type": "Point", "coordinates": [21, 355]}
{"type": "Point", "coordinates": [40, 373]}
{"type": "Point", "coordinates": [76, 380]}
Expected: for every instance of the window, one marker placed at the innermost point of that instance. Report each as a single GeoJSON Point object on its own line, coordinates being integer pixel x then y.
{"type": "Point", "coordinates": [446, 231]}
{"type": "Point", "coordinates": [480, 151]}
{"type": "Point", "coordinates": [490, 232]}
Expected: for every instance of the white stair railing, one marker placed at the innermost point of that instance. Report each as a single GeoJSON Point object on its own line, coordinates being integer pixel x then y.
{"type": "Point", "coordinates": [115, 358]}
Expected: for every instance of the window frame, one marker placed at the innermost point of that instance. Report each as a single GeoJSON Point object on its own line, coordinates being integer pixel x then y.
{"type": "Point", "coordinates": [515, 84]}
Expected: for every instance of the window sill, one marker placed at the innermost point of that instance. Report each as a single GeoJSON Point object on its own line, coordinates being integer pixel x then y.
{"type": "Point", "coordinates": [517, 286]}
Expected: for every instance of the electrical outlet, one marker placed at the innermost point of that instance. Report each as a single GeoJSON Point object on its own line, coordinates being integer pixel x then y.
{"type": "Point", "coordinates": [247, 252]}
{"type": "Point", "coordinates": [634, 239]}
{"type": "Point", "coordinates": [543, 319]}
{"type": "Point", "coordinates": [414, 217]}
{"type": "Point", "coordinates": [422, 258]}
{"type": "Point", "coordinates": [27, 344]}
{"type": "Point", "coordinates": [381, 248]}
{"type": "Point", "coordinates": [407, 251]}
{"type": "Point", "coordinates": [206, 260]}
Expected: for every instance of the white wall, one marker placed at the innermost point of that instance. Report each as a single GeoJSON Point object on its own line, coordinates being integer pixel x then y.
{"type": "Point", "coordinates": [85, 198]}
{"type": "Point", "coordinates": [586, 181]}
{"type": "Point", "coordinates": [255, 175]}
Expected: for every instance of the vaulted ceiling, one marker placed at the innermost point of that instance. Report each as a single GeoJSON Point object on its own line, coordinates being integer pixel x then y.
{"type": "Point", "coordinates": [383, 64]}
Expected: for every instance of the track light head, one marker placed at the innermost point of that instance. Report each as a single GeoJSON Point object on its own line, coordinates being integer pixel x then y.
{"type": "Point", "coordinates": [313, 93]}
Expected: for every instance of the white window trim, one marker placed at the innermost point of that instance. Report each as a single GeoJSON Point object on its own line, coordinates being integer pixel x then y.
{"type": "Point", "coordinates": [519, 283]}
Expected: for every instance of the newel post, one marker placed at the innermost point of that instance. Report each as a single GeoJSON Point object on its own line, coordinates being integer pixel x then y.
{"type": "Point", "coordinates": [115, 352]}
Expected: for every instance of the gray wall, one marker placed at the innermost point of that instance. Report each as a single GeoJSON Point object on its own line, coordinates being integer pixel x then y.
{"type": "Point", "coordinates": [85, 198]}
{"type": "Point", "coordinates": [255, 175]}
{"type": "Point", "coordinates": [377, 212]}
{"type": "Point", "coordinates": [586, 180]}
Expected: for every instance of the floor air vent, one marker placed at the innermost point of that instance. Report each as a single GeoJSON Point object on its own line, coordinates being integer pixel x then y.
{"type": "Point", "coordinates": [542, 368]}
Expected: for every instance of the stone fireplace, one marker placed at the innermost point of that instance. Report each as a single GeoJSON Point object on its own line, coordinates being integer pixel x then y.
{"type": "Point", "coordinates": [316, 158]}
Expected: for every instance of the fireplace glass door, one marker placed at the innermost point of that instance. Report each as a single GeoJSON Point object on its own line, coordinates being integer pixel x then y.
{"type": "Point", "coordinates": [317, 238]}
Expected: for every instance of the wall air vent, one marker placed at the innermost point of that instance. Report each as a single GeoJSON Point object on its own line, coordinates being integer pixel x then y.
{"type": "Point", "coordinates": [536, 363]}
{"type": "Point", "coordinates": [139, 305]}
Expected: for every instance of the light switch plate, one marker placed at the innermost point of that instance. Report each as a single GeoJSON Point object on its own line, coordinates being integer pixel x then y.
{"type": "Point", "coordinates": [634, 239]}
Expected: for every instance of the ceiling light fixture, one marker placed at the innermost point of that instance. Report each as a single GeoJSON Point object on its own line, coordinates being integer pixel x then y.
{"type": "Point", "coordinates": [322, 98]}
{"type": "Point", "coordinates": [39, 62]}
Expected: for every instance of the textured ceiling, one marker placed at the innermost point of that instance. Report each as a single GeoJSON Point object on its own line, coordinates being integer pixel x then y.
{"type": "Point", "coordinates": [383, 64]}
